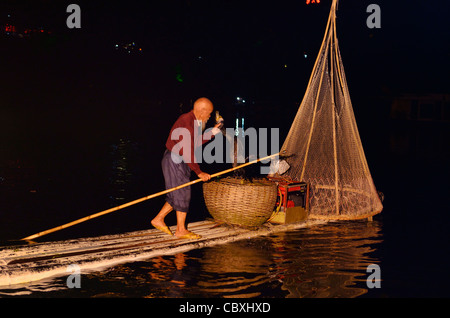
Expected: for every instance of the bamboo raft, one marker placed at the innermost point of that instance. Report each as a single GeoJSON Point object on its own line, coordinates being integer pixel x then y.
{"type": "Point", "coordinates": [27, 263]}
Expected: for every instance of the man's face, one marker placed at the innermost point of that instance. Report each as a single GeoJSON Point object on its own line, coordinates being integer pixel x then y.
{"type": "Point", "coordinates": [205, 114]}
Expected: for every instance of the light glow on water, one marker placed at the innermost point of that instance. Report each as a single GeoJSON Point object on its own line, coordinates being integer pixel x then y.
{"type": "Point", "coordinates": [324, 261]}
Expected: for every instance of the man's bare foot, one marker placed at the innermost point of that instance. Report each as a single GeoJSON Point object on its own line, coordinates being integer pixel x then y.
{"type": "Point", "coordinates": [185, 234]}
{"type": "Point", "coordinates": [160, 225]}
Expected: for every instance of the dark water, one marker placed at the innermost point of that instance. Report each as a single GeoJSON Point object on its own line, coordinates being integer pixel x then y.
{"type": "Point", "coordinates": [62, 180]}
{"type": "Point", "coordinates": [323, 261]}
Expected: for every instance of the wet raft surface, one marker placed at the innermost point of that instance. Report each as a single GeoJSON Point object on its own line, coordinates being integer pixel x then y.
{"type": "Point", "coordinates": [26, 263]}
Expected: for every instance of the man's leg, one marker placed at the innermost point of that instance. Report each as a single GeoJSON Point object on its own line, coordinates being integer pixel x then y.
{"type": "Point", "coordinates": [181, 230]}
{"type": "Point", "coordinates": [158, 221]}
{"type": "Point", "coordinates": [181, 224]}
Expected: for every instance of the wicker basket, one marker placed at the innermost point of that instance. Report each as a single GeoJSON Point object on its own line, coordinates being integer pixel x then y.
{"type": "Point", "coordinates": [239, 202]}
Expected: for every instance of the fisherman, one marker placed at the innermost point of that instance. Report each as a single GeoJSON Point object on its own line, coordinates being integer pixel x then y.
{"type": "Point", "coordinates": [178, 162]}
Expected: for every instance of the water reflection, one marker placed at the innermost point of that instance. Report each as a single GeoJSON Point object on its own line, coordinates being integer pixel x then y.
{"type": "Point", "coordinates": [329, 261]}
{"type": "Point", "coordinates": [324, 262]}
{"type": "Point", "coordinates": [236, 270]}
{"type": "Point", "coordinates": [121, 171]}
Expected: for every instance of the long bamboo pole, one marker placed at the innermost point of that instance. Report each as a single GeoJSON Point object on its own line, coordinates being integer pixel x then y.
{"type": "Point", "coordinates": [92, 216]}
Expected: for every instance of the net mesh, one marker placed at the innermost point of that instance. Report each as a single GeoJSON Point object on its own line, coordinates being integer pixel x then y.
{"type": "Point", "coordinates": [323, 146]}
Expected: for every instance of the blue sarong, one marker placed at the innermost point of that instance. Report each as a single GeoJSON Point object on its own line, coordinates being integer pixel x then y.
{"type": "Point", "coordinates": [176, 174]}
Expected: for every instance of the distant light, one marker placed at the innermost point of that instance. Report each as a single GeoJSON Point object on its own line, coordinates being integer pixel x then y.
{"type": "Point", "coordinates": [240, 99]}
{"type": "Point", "coordinates": [285, 65]}
{"type": "Point", "coordinates": [305, 55]}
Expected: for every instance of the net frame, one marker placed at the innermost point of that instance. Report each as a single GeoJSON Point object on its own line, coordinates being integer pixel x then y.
{"type": "Point", "coordinates": [341, 185]}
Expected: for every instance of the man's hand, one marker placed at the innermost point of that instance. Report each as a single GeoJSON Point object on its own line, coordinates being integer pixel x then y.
{"type": "Point", "coordinates": [217, 127]}
{"type": "Point", "coordinates": [204, 176]}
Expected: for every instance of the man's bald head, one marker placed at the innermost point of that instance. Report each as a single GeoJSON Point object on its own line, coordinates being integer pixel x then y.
{"type": "Point", "coordinates": [203, 103]}
{"type": "Point", "coordinates": [203, 108]}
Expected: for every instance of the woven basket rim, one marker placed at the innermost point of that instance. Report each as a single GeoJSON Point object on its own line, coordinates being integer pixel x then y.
{"type": "Point", "coordinates": [245, 182]}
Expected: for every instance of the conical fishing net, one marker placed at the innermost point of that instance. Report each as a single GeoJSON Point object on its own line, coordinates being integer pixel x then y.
{"type": "Point", "coordinates": [323, 146]}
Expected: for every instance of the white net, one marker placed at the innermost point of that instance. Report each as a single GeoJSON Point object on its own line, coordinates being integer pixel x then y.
{"type": "Point", "coordinates": [323, 146]}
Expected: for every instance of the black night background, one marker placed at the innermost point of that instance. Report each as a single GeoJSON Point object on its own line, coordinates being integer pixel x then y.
{"type": "Point", "coordinates": [67, 96]}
